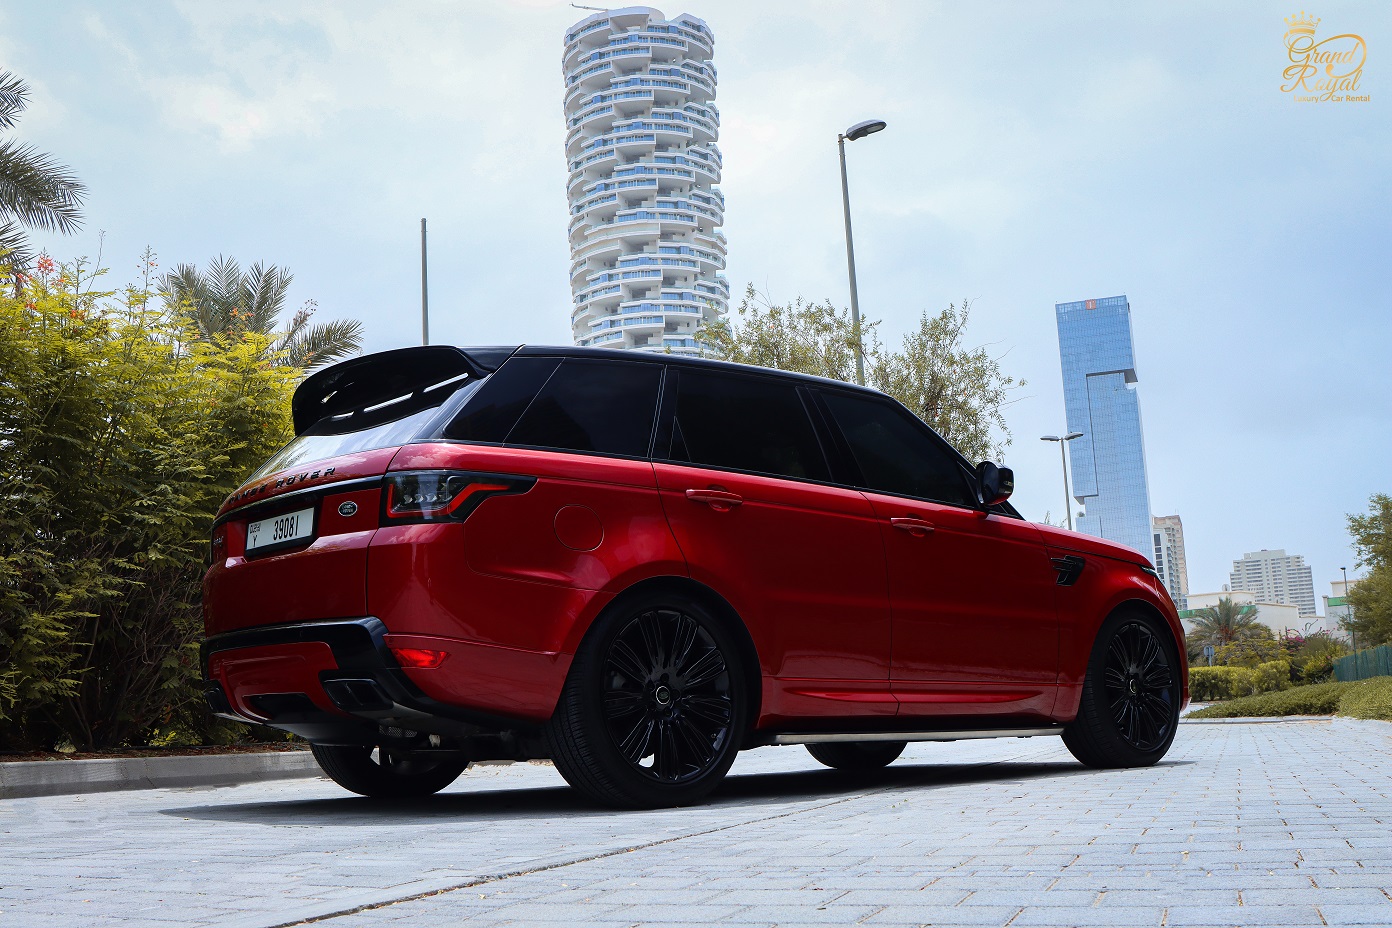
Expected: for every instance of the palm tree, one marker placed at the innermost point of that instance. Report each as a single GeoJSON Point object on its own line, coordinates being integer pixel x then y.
{"type": "Point", "coordinates": [35, 190]}
{"type": "Point", "coordinates": [226, 301]}
{"type": "Point", "coordinates": [1222, 624]}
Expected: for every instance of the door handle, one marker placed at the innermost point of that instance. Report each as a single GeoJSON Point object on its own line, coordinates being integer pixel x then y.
{"type": "Point", "coordinates": [719, 500]}
{"type": "Point", "coordinates": [915, 527]}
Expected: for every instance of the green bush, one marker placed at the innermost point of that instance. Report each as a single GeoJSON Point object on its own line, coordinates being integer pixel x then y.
{"type": "Point", "coordinates": [119, 437]}
{"type": "Point", "coordinates": [1319, 699]}
{"type": "Point", "coordinates": [1209, 683]}
{"type": "Point", "coordinates": [1272, 676]}
{"type": "Point", "coordinates": [1368, 699]}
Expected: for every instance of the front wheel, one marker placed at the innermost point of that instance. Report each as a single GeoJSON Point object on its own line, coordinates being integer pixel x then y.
{"type": "Point", "coordinates": [381, 774]}
{"type": "Point", "coordinates": [1131, 694]}
{"type": "Point", "coordinates": [654, 707]}
{"type": "Point", "coordinates": [857, 755]}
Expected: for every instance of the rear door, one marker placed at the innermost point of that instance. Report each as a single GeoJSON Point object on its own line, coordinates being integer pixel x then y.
{"type": "Point", "coordinates": [975, 631]}
{"type": "Point", "coordinates": [744, 482]}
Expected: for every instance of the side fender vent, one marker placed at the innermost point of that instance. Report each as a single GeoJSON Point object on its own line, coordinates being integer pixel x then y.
{"type": "Point", "coordinates": [1069, 568]}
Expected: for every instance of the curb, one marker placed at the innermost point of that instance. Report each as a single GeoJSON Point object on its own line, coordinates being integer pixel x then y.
{"type": "Point", "coordinates": [1258, 720]}
{"type": "Point", "coordinates": [22, 779]}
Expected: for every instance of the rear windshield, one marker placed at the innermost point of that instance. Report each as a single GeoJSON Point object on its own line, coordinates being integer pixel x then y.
{"type": "Point", "coordinates": [325, 439]}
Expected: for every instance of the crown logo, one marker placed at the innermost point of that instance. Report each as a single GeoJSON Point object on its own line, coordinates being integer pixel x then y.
{"type": "Point", "coordinates": [1301, 24]}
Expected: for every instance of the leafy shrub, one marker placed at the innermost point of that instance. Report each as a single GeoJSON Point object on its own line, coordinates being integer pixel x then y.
{"type": "Point", "coordinates": [1368, 699]}
{"type": "Point", "coordinates": [119, 438]}
{"type": "Point", "coordinates": [1210, 683]}
{"type": "Point", "coordinates": [1320, 699]}
{"type": "Point", "coordinates": [1249, 652]}
{"type": "Point", "coordinates": [1272, 676]}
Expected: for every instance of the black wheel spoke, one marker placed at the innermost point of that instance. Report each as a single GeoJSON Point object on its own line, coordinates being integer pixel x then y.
{"type": "Point", "coordinates": [635, 745]}
{"type": "Point", "coordinates": [620, 704]}
{"type": "Point", "coordinates": [704, 669]}
{"type": "Point", "coordinates": [623, 659]}
{"type": "Point", "coordinates": [712, 709]}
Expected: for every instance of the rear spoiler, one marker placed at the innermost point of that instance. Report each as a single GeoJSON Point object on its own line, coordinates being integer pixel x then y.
{"type": "Point", "coordinates": [385, 385]}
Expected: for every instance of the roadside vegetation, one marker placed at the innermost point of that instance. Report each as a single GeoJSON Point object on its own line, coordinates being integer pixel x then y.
{"type": "Point", "coordinates": [958, 389]}
{"type": "Point", "coordinates": [1360, 699]}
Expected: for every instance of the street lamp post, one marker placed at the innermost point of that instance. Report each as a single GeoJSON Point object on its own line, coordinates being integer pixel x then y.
{"type": "Point", "coordinates": [1348, 611]}
{"type": "Point", "coordinates": [1063, 440]}
{"type": "Point", "coordinates": [859, 131]}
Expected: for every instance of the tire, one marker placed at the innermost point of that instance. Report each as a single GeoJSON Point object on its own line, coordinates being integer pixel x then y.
{"type": "Point", "coordinates": [1131, 695]}
{"type": "Point", "coordinates": [857, 755]}
{"type": "Point", "coordinates": [390, 776]}
{"type": "Point", "coordinates": [654, 707]}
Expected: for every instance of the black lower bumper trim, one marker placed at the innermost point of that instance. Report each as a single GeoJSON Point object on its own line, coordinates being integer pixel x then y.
{"type": "Point", "coordinates": [368, 684]}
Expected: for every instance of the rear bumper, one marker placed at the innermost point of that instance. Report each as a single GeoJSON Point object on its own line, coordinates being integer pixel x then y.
{"type": "Point", "coordinates": [332, 682]}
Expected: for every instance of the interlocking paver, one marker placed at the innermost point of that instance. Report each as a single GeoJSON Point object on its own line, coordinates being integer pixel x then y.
{"type": "Point", "coordinates": [1275, 824]}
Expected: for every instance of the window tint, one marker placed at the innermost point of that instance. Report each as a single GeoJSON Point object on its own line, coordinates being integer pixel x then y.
{"type": "Point", "coordinates": [601, 406]}
{"type": "Point", "coordinates": [495, 409]}
{"type": "Point", "coordinates": [895, 452]}
{"type": "Point", "coordinates": [744, 423]}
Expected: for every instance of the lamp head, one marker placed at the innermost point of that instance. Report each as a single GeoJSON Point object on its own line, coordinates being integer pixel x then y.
{"type": "Point", "coordinates": [861, 129]}
{"type": "Point", "coordinates": [1049, 438]}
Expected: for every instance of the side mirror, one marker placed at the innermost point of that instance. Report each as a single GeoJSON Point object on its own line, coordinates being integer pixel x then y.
{"type": "Point", "coordinates": [994, 484]}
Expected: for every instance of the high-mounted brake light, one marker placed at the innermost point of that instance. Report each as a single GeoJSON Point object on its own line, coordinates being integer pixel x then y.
{"type": "Point", "coordinates": [435, 496]}
{"type": "Point", "coordinates": [419, 658]}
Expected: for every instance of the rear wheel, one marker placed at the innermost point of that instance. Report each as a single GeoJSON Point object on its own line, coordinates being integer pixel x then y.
{"type": "Point", "coordinates": [376, 772]}
{"type": "Point", "coordinates": [857, 755]}
{"type": "Point", "coordinates": [654, 707]}
{"type": "Point", "coordinates": [1131, 695]}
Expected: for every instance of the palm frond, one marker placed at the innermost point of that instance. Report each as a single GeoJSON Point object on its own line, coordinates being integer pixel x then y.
{"type": "Point", "coordinates": [37, 190]}
{"type": "Point", "coordinates": [14, 97]}
{"type": "Point", "coordinates": [324, 342]}
{"type": "Point", "coordinates": [263, 296]}
{"type": "Point", "coordinates": [15, 251]}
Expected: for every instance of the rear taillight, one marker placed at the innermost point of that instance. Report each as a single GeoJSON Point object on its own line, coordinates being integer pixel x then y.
{"type": "Point", "coordinates": [419, 658]}
{"type": "Point", "coordinates": [440, 496]}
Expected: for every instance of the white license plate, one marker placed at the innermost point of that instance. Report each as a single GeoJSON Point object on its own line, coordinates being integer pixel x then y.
{"type": "Point", "coordinates": [279, 531]}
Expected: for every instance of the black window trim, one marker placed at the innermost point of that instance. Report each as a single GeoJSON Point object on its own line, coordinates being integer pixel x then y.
{"type": "Point", "coordinates": [662, 434]}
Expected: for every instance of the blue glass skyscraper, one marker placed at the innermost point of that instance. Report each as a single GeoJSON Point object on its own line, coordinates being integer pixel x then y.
{"type": "Point", "coordinates": [1108, 461]}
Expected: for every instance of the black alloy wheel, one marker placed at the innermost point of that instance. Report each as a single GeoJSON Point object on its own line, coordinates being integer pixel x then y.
{"type": "Point", "coordinates": [1140, 687]}
{"type": "Point", "coordinates": [1129, 709]}
{"type": "Point", "coordinates": [857, 755]}
{"type": "Point", "coordinates": [667, 696]}
{"type": "Point", "coordinates": [384, 774]}
{"type": "Point", "coordinates": [654, 707]}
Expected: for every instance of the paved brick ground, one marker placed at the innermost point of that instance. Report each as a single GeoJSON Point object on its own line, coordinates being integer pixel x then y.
{"type": "Point", "coordinates": [1247, 824]}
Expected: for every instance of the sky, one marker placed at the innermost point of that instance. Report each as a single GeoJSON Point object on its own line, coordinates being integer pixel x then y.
{"type": "Point", "coordinates": [1036, 153]}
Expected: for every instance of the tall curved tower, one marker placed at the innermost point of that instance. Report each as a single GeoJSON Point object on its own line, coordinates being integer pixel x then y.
{"type": "Point", "coordinates": [645, 215]}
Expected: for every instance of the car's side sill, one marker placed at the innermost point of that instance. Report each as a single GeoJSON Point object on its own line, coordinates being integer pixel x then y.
{"type": "Point", "coordinates": [963, 735]}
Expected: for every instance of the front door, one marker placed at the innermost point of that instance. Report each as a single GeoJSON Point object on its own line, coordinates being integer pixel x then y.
{"type": "Point", "coordinates": [971, 591]}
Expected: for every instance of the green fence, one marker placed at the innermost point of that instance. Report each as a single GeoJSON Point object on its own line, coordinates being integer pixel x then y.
{"type": "Point", "coordinates": [1360, 665]}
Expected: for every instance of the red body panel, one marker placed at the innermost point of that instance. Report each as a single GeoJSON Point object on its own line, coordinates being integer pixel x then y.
{"type": "Point", "coordinates": [287, 668]}
{"type": "Point", "coordinates": [803, 566]}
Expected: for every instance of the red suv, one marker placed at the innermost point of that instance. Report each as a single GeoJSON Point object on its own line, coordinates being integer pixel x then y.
{"type": "Point", "coordinates": [637, 565]}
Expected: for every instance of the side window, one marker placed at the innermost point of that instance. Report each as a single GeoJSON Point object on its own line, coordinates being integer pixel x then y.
{"type": "Point", "coordinates": [605, 407]}
{"type": "Point", "coordinates": [895, 452]}
{"type": "Point", "coordinates": [491, 413]}
{"type": "Point", "coordinates": [744, 423]}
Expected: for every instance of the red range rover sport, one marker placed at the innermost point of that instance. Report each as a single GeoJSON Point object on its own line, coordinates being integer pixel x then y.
{"type": "Point", "coordinates": [637, 565]}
